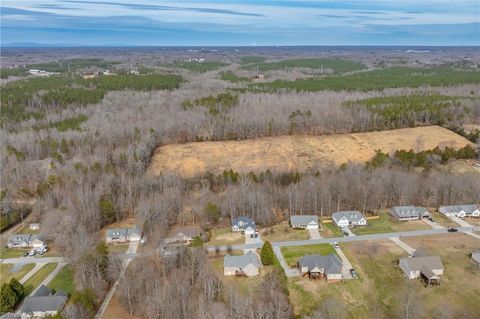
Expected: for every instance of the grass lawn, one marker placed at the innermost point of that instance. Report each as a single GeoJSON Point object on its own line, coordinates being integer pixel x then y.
{"type": "Point", "coordinates": [27, 230]}
{"type": "Point", "coordinates": [293, 253]}
{"type": "Point", "coordinates": [12, 253]}
{"type": "Point", "coordinates": [330, 230]}
{"type": "Point", "coordinates": [32, 283]}
{"type": "Point", "coordinates": [63, 281]}
{"type": "Point", "coordinates": [387, 224]}
{"type": "Point", "coordinates": [6, 275]}
{"type": "Point", "coordinates": [283, 232]}
{"type": "Point", "coordinates": [224, 236]}
{"type": "Point", "coordinates": [443, 220]}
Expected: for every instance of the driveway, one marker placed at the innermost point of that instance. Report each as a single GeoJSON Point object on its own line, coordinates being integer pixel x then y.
{"type": "Point", "coordinates": [290, 272]}
{"type": "Point", "coordinates": [346, 265]}
{"type": "Point", "coordinates": [433, 225]}
{"type": "Point", "coordinates": [402, 245]}
{"type": "Point", "coordinates": [314, 234]}
{"type": "Point", "coordinates": [31, 272]}
{"type": "Point", "coordinates": [349, 231]}
{"type": "Point", "coordinates": [460, 221]}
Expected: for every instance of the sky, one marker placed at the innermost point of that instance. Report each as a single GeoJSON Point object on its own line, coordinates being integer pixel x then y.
{"type": "Point", "coordinates": [240, 23]}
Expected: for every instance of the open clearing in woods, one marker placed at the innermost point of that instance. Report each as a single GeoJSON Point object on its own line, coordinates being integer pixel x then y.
{"type": "Point", "coordinates": [297, 152]}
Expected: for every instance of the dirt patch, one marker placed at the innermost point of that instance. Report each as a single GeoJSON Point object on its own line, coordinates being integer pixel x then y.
{"type": "Point", "coordinates": [116, 310]}
{"type": "Point", "coordinates": [302, 153]}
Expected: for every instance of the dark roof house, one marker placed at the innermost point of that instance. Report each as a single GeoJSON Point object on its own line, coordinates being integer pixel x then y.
{"type": "Point", "coordinates": [317, 266]}
{"type": "Point", "coordinates": [43, 303]}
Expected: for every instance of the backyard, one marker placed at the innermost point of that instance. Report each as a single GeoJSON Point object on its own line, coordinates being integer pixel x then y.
{"type": "Point", "coordinates": [225, 236]}
{"type": "Point", "coordinates": [64, 280]}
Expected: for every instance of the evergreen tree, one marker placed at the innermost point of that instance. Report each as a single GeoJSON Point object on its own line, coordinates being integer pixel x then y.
{"type": "Point", "coordinates": [18, 288]}
{"type": "Point", "coordinates": [267, 255]}
{"type": "Point", "coordinates": [8, 299]}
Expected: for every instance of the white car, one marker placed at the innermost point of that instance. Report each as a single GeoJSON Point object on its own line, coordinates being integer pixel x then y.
{"type": "Point", "coordinates": [335, 245]}
{"type": "Point", "coordinates": [42, 250]}
{"type": "Point", "coordinates": [32, 253]}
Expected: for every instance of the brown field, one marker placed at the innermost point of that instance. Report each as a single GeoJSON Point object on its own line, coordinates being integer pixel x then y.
{"type": "Point", "coordinates": [301, 152]}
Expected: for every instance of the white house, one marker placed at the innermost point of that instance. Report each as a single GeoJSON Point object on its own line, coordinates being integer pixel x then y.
{"type": "Point", "coordinates": [244, 224]}
{"type": "Point", "coordinates": [245, 265]}
{"type": "Point", "coordinates": [123, 235]}
{"type": "Point", "coordinates": [25, 241]}
{"type": "Point", "coordinates": [349, 219]}
{"type": "Point", "coordinates": [460, 211]}
{"type": "Point", "coordinates": [304, 221]}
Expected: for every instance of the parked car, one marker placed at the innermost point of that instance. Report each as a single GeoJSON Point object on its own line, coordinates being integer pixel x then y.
{"type": "Point", "coordinates": [335, 245]}
{"type": "Point", "coordinates": [452, 230]}
{"type": "Point", "coordinates": [26, 254]}
{"type": "Point", "coordinates": [32, 253]}
{"type": "Point", "coordinates": [354, 273]}
{"type": "Point", "coordinates": [345, 234]}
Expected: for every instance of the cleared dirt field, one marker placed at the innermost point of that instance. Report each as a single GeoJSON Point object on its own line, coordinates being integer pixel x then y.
{"type": "Point", "coordinates": [301, 153]}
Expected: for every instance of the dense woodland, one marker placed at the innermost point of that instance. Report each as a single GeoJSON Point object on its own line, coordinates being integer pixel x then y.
{"type": "Point", "coordinates": [79, 148]}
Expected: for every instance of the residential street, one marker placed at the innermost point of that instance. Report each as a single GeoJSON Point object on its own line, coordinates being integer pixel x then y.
{"type": "Point", "coordinates": [28, 260]}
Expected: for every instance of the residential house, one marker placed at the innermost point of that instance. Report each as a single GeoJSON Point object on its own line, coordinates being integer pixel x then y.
{"type": "Point", "coordinates": [406, 213]}
{"type": "Point", "coordinates": [244, 265]}
{"type": "Point", "coordinates": [244, 224]}
{"type": "Point", "coordinates": [25, 241]}
{"type": "Point", "coordinates": [460, 211]}
{"type": "Point", "coordinates": [429, 268]}
{"type": "Point", "coordinates": [182, 235]}
{"type": "Point", "coordinates": [349, 218]}
{"type": "Point", "coordinates": [476, 256]}
{"type": "Point", "coordinates": [304, 221]}
{"type": "Point", "coordinates": [123, 235]}
{"type": "Point", "coordinates": [43, 303]}
{"type": "Point", "coordinates": [318, 266]}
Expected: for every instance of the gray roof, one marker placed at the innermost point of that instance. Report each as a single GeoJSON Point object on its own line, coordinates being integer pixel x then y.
{"type": "Point", "coordinates": [351, 215]}
{"type": "Point", "coordinates": [123, 232]}
{"type": "Point", "coordinates": [241, 261]}
{"type": "Point", "coordinates": [18, 238]}
{"type": "Point", "coordinates": [409, 211]}
{"type": "Point", "coordinates": [476, 255]}
{"type": "Point", "coordinates": [303, 219]}
{"type": "Point", "coordinates": [331, 263]}
{"type": "Point", "coordinates": [247, 222]}
{"type": "Point", "coordinates": [43, 301]}
{"type": "Point", "coordinates": [453, 209]}
{"type": "Point", "coordinates": [416, 263]}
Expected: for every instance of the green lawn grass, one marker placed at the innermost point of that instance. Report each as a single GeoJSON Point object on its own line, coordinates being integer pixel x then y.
{"type": "Point", "coordinates": [64, 280]}
{"type": "Point", "coordinates": [283, 233]}
{"type": "Point", "coordinates": [32, 283]}
{"type": "Point", "coordinates": [12, 253]}
{"type": "Point", "coordinates": [293, 253]}
{"type": "Point", "coordinates": [6, 275]}
{"type": "Point", "coordinates": [387, 224]}
{"type": "Point", "coordinates": [330, 230]}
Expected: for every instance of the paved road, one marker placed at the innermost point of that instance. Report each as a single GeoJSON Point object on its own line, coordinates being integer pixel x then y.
{"type": "Point", "coordinates": [131, 251]}
{"type": "Point", "coordinates": [403, 245]}
{"type": "Point", "coordinates": [413, 233]}
{"type": "Point", "coordinates": [28, 260]}
{"type": "Point", "coordinates": [50, 277]}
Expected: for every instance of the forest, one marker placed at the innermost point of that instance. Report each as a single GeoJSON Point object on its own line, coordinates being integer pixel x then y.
{"type": "Point", "coordinates": [78, 150]}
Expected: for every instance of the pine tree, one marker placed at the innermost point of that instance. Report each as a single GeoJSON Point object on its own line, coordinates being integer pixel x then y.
{"type": "Point", "coordinates": [267, 255]}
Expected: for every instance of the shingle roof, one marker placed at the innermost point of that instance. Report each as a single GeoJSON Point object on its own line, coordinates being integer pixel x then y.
{"type": "Point", "coordinates": [43, 301]}
{"type": "Point", "coordinates": [453, 209]}
{"type": "Point", "coordinates": [18, 238]}
{"type": "Point", "coordinates": [409, 211]}
{"type": "Point", "coordinates": [119, 232]}
{"type": "Point", "coordinates": [416, 263]}
{"type": "Point", "coordinates": [247, 222]}
{"type": "Point", "coordinates": [331, 263]}
{"type": "Point", "coordinates": [303, 219]}
{"type": "Point", "coordinates": [241, 261]}
{"type": "Point", "coordinates": [351, 215]}
{"type": "Point", "coordinates": [476, 256]}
